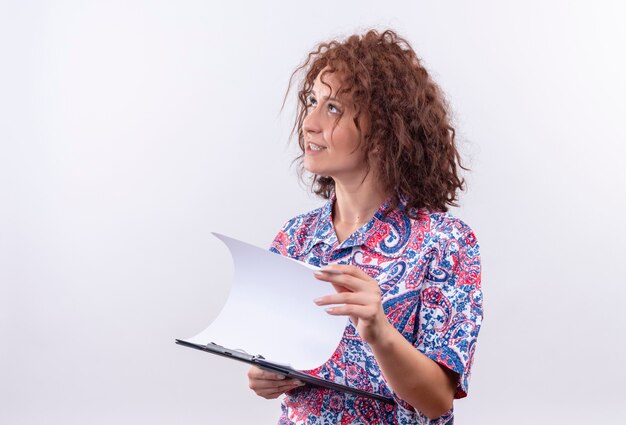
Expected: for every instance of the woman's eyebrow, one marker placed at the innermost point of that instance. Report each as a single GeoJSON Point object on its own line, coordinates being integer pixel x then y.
{"type": "Point", "coordinates": [326, 97]}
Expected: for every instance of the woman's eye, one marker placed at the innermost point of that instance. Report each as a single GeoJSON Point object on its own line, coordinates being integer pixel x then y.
{"type": "Point", "coordinates": [310, 101]}
{"type": "Point", "coordinates": [332, 108]}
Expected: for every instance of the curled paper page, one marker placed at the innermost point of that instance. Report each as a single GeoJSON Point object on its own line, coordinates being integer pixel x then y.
{"type": "Point", "coordinates": [270, 310]}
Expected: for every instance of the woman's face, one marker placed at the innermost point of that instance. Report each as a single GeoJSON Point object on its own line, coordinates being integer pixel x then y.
{"type": "Point", "coordinates": [330, 147]}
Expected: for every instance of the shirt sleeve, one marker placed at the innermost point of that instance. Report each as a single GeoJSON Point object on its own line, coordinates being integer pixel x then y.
{"type": "Point", "coordinates": [451, 308]}
{"type": "Point", "coordinates": [280, 243]}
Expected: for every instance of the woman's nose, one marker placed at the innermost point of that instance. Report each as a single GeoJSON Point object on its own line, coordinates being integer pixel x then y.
{"type": "Point", "coordinates": [311, 122]}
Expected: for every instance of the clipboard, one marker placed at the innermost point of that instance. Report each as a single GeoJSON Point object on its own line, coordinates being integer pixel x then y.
{"type": "Point", "coordinates": [261, 362]}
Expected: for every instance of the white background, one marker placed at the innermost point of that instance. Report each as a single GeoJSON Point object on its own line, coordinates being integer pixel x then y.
{"type": "Point", "coordinates": [129, 130]}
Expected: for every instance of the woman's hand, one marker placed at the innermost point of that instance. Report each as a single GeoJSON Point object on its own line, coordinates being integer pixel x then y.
{"type": "Point", "coordinates": [359, 297]}
{"type": "Point", "coordinates": [270, 385]}
{"type": "Point", "coordinates": [413, 377]}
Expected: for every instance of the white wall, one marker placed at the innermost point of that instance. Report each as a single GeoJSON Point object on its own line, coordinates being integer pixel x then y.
{"type": "Point", "coordinates": [131, 129]}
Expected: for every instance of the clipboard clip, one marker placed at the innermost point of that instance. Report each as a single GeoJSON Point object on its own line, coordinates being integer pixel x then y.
{"type": "Point", "coordinates": [239, 350]}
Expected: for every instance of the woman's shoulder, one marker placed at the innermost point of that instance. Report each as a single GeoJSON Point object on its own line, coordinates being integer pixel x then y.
{"type": "Point", "coordinates": [303, 222]}
{"type": "Point", "coordinates": [298, 232]}
{"type": "Point", "coordinates": [444, 226]}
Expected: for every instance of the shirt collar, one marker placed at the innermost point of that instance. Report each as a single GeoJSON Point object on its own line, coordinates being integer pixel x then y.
{"type": "Point", "coordinates": [374, 232]}
{"type": "Point", "coordinates": [324, 230]}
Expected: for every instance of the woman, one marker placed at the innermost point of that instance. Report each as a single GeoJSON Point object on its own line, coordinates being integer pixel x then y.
{"type": "Point", "coordinates": [375, 134]}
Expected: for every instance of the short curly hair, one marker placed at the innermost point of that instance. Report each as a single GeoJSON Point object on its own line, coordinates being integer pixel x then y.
{"type": "Point", "coordinates": [409, 126]}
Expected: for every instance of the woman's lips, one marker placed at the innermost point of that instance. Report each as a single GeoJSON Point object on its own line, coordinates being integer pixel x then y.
{"type": "Point", "coordinates": [313, 147]}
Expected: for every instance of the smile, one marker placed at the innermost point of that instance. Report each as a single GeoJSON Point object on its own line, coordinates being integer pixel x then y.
{"type": "Point", "coordinates": [315, 147]}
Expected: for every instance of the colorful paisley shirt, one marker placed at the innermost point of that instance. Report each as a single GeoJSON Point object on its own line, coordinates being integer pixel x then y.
{"type": "Point", "coordinates": [428, 270]}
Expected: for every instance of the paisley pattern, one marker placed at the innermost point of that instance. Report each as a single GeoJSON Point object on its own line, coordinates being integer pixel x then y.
{"type": "Point", "coordinates": [428, 269]}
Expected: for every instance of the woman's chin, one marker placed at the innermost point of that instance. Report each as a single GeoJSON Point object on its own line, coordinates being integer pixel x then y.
{"type": "Point", "coordinates": [311, 168]}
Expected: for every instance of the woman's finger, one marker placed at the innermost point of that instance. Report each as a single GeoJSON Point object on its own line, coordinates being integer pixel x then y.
{"type": "Point", "coordinates": [258, 373]}
{"type": "Point", "coordinates": [361, 312]}
{"type": "Point", "coordinates": [358, 298]}
{"type": "Point", "coordinates": [269, 386]}
{"type": "Point", "coordinates": [346, 269]}
{"type": "Point", "coordinates": [345, 280]}
{"type": "Point", "coordinates": [274, 390]}
{"type": "Point", "coordinates": [275, 394]}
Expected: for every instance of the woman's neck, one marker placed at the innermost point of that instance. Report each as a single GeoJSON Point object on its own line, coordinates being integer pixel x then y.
{"type": "Point", "coordinates": [355, 205]}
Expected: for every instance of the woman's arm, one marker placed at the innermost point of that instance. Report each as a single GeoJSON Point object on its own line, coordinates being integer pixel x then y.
{"type": "Point", "coordinates": [414, 377]}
